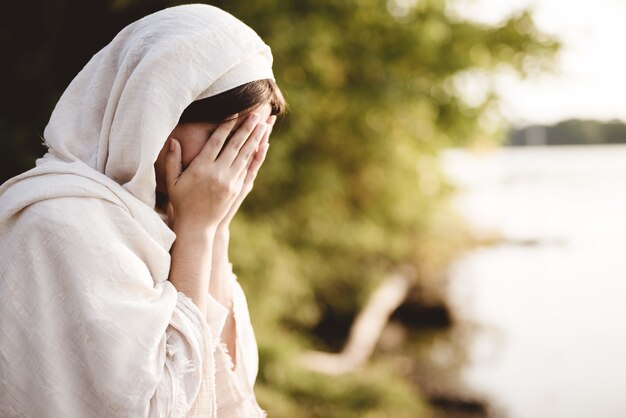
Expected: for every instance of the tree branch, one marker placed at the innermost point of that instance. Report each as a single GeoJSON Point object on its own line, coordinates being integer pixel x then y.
{"type": "Point", "coordinates": [366, 329]}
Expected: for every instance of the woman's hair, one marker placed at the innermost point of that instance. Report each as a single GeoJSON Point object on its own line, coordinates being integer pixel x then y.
{"type": "Point", "coordinates": [216, 109]}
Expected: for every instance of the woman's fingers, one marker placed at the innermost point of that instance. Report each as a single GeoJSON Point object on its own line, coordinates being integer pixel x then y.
{"type": "Point", "coordinates": [246, 132]}
{"type": "Point", "coordinates": [245, 179]}
{"type": "Point", "coordinates": [239, 138]}
{"type": "Point", "coordinates": [173, 163]}
{"type": "Point", "coordinates": [270, 121]}
{"type": "Point", "coordinates": [247, 151]}
{"type": "Point", "coordinates": [215, 143]}
{"type": "Point", "coordinates": [259, 156]}
{"type": "Point", "coordinates": [256, 163]}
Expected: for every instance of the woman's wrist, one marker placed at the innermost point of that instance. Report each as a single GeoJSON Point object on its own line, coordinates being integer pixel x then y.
{"type": "Point", "coordinates": [222, 234]}
{"type": "Point", "coordinates": [220, 286]}
{"type": "Point", "coordinates": [194, 229]}
{"type": "Point", "coordinates": [191, 262]}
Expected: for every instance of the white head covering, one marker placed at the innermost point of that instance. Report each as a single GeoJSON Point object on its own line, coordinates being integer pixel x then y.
{"type": "Point", "coordinates": [117, 113]}
{"type": "Point", "coordinates": [90, 324]}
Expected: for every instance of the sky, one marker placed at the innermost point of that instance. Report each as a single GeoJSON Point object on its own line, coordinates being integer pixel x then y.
{"type": "Point", "coordinates": [589, 78]}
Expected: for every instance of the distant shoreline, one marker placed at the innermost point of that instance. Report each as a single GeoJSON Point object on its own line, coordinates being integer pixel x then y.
{"type": "Point", "coordinates": [569, 132]}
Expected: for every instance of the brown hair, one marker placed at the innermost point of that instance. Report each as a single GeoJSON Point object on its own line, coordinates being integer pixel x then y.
{"type": "Point", "coordinates": [216, 109]}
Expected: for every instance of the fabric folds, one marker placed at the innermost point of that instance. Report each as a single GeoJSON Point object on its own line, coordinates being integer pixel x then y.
{"type": "Point", "coordinates": [89, 324]}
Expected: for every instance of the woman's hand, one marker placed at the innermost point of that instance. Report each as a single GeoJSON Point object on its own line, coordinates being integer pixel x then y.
{"type": "Point", "coordinates": [251, 173]}
{"type": "Point", "coordinates": [203, 194]}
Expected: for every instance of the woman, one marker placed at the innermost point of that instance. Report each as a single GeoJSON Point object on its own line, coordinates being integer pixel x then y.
{"type": "Point", "coordinates": [116, 294]}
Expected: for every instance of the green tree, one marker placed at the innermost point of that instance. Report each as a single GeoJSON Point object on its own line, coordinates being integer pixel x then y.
{"type": "Point", "coordinates": [352, 187]}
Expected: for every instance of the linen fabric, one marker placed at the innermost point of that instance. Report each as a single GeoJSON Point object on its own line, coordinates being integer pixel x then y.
{"type": "Point", "coordinates": [89, 324]}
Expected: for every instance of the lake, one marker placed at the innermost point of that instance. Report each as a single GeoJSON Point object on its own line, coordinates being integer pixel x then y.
{"type": "Point", "coordinates": [548, 303]}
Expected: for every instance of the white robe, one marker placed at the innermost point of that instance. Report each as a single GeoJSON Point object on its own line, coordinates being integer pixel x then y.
{"type": "Point", "coordinates": [89, 324]}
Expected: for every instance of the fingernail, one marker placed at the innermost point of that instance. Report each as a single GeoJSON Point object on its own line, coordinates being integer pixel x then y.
{"type": "Point", "coordinates": [172, 145]}
{"type": "Point", "coordinates": [254, 117]}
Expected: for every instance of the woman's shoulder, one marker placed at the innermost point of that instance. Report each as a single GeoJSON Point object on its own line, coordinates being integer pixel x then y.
{"type": "Point", "coordinates": [70, 200]}
{"type": "Point", "coordinates": [73, 208]}
{"type": "Point", "coordinates": [46, 193]}
{"type": "Point", "coordinates": [91, 232]}
{"type": "Point", "coordinates": [68, 215]}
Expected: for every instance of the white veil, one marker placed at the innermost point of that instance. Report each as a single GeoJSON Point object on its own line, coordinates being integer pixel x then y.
{"type": "Point", "coordinates": [118, 111]}
{"type": "Point", "coordinates": [89, 324]}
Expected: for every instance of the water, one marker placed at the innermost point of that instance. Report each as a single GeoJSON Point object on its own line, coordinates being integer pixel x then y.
{"type": "Point", "coordinates": [549, 302]}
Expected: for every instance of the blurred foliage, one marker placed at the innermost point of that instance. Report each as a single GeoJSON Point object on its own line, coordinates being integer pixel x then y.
{"type": "Point", "coordinates": [351, 187]}
{"type": "Point", "coordinates": [571, 132]}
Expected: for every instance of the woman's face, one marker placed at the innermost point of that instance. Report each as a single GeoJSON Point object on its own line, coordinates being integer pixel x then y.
{"type": "Point", "coordinates": [192, 137]}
